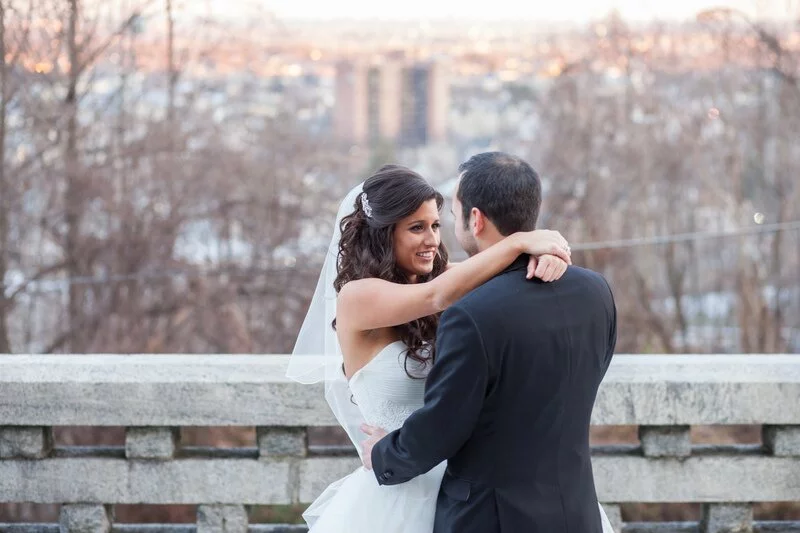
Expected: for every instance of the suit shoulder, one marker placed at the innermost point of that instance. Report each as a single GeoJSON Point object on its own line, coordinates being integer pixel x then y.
{"type": "Point", "coordinates": [594, 283]}
{"type": "Point", "coordinates": [591, 276]}
{"type": "Point", "coordinates": [478, 296]}
{"type": "Point", "coordinates": [493, 294]}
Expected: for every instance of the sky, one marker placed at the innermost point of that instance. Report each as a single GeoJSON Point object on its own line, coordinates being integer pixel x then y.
{"type": "Point", "coordinates": [560, 10]}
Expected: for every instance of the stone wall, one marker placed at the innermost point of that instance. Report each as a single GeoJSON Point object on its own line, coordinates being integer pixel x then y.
{"type": "Point", "coordinates": [154, 395]}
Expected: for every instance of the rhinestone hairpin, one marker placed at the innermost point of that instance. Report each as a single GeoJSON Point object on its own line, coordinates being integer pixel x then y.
{"type": "Point", "coordinates": [365, 204]}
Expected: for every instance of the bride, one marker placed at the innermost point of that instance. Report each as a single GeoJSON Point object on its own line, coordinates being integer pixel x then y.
{"type": "Point", "coordinates": [370, 330]}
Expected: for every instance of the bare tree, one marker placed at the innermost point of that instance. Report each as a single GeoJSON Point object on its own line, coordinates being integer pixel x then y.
{"type": "Point", "coordinates": [5, 343]}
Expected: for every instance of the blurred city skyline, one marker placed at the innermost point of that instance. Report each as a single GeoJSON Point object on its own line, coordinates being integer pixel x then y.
{"type": "Point", "coordinates": [577, 11]}
{"type": "Point", "coordinates": [172, 167]}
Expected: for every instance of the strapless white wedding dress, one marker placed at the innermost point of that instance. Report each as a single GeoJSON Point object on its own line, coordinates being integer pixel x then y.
{"type": "Point", "coordinates": [386, 395]}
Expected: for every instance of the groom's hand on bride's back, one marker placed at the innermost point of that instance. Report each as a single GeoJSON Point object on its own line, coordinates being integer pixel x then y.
{"type": "Point", "coordinates": [546, 267]}
{"type": "Point", "coordinates": [374, 435]}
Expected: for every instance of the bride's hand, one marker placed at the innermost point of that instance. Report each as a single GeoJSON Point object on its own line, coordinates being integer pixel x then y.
{"type": "Point", "coordinates": [546, 268]}
{"type": "Point", "coordinates": [544, 242]}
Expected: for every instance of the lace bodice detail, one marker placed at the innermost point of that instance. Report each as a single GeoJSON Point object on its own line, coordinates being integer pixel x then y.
{"type": "Point", "coordinates": [383, 390]}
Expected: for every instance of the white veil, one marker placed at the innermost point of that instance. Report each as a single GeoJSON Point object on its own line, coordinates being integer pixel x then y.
{"type": "Point", "coordinates": [317, 355]}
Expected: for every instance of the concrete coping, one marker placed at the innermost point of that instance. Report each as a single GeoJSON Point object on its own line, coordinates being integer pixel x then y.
{"type": "Point", "coordinates": [252, 390]}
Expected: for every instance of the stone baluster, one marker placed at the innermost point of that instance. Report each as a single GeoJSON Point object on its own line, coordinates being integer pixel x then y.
{"type": "Point", "coordinates": [782, 441]}
{"type": "Point", "coordinates": [282, 441]}
{"type": "Point", "coordinates": [85, 518]}
{"type": "Point", "coordinates": [152, 443]}
{"type": "Point", "coordinates": [25, 442]}
{"type": "Point", "coordinates": [727, 518]}
{"type": "Point", "coordinates": [222, 519]}
{"type": "Point", "coordinates": [614, 514]}
{"type": "Point", "coordinates": [665, 441]}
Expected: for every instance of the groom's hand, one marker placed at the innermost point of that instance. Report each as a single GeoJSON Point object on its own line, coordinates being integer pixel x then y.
{"type": "Point", "coordinates": [375, 434]}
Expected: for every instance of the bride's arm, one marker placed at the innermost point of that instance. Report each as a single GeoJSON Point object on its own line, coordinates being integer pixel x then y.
{"type": "Point", "coordinates": [545, 267]}
{"type": "Point", "coordinates": [373, 303]}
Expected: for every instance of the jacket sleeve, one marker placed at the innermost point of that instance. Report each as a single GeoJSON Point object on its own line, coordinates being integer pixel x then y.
{"type": "Point", "coordinates": [612, 334]}
{"type": "Point", "coordinates": [454, 395]}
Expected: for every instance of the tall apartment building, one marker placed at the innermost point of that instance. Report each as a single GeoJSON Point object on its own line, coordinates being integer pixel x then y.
{"type": "Point", "coordinates": [391, 100]}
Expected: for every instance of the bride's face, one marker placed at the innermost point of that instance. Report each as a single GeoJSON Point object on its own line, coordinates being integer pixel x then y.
{"type": "Point", "coordinates": [417, 239]}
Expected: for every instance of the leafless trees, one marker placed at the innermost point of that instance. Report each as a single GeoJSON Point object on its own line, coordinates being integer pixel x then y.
{"type": "Point", "coordinates": [635, 148]}
{"type": "Point", "coordinates": [151, 201]}
{"type": "Point", "coordinates": [146, 203]}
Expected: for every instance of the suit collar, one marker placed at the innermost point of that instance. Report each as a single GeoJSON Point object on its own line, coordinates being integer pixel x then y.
{"type": "Point", "coordinates": [520, 263]}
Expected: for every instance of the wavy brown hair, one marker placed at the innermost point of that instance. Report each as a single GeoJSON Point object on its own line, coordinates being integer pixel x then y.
{"type": "Point", "coordinates": [366, 249]}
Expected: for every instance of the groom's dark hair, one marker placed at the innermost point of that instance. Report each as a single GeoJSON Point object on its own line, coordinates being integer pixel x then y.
{"type": "Point", "coordinates": [504, 187]}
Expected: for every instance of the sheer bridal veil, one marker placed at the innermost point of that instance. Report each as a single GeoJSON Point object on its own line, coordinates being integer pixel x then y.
{"type": "Point", "coordinates": [317, 356]}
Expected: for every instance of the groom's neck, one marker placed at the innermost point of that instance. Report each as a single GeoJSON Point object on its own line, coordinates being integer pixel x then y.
{"type": "Point", "coordinates": [489, 237]}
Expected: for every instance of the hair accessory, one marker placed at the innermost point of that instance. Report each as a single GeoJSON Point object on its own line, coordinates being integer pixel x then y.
{"type": "Point", "coordinates": [365, 204]}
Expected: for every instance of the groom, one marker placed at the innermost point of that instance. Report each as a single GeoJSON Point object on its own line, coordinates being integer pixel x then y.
{"type": "Point", "coordinates": [509, 398]}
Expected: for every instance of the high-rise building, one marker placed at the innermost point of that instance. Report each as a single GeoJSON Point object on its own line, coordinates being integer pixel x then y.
{"type": "Point", "coordinates": [384, 85]}
{"type": "Point", "coordinates": [425, 103]}
{"type": "Point", "coordinates": [350, 110]}
{"type": "Point", "coordinates": [367, 101]}
{"type": "Point", "coordinates": [391, 100]}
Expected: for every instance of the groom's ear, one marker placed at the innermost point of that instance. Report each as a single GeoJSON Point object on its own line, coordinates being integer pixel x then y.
{"type": "Point", "coordinates": [477, 221]}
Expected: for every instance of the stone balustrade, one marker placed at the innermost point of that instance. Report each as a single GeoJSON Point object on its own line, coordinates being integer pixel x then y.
{"type": "Point", "coordinates": [153, 396]}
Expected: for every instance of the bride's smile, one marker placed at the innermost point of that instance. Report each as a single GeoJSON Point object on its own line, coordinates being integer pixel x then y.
{"type": "Point", "coordinates": [416, 239]}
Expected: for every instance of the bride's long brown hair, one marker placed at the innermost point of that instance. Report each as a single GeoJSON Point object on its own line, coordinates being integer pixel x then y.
{"type": "Point", "coordinates": [366, 249]}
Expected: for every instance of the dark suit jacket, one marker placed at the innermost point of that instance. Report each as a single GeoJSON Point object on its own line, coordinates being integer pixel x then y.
{"type": "Point", "coordinates": [508, 403]}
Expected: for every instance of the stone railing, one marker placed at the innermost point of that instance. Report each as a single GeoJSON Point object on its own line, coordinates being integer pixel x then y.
{"type": "Point", "coordinates": [154, 395]}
